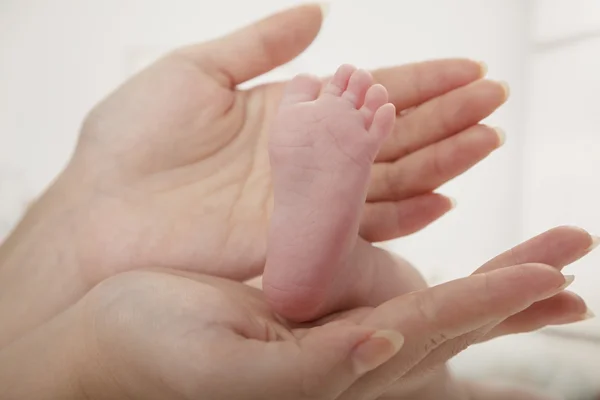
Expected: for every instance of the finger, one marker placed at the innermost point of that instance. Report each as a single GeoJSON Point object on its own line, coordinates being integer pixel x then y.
{"type": "Point", "coordinates": [499, 391]}
{"type": "Point", "coordinates": [454, 346]}
{"type": "Point", "coordinates": [428, 168]}
{"type": "Point", "coordinates": [389, 220]}
{"type": "Point", "coordinates": [564, 308]}
{"type": "Point", "coordinates": [443, 117]}
{"type": "Point", "coordinates": [322, 363]}
{"type": "Point", "coordinates": [431, 317]}
{"type": "Point", "coordinates": [259, 47]}
{"type": "Point", "coordinates": [557, 247]}
{"type": "Point", "coordinates": [412, 84]}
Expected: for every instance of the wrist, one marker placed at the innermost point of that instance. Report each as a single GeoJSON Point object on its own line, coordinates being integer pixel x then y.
{"type": "Point", "coordinates": [46, 363]}
{"type": "Point", "coordinates": [39, 276]}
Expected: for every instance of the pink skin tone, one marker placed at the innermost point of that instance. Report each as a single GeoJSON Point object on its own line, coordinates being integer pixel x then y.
{"type": "Point", "coordinates": [323, 143]}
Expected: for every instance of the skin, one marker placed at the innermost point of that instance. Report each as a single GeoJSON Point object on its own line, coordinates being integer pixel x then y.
{"type": "Point", "coordinates": [322, 145]}
{"type": "Point", "coordinates": [164, 334]}
{"type": "Point", "coordinates": [171, 171]}
{"type": "Point", "coordinates": [126, 200]}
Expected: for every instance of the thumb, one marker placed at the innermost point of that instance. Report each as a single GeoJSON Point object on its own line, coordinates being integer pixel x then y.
{"type": "Point", "coordinates": [323, 363]}
{"type": "Point", "coordinates": [258, 48]}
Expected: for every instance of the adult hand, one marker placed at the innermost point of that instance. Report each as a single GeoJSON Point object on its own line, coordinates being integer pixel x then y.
{"type": "Point", "coordinates": [172, 169]}
{"type": "Point", "coordinates": [182, 335]}
{"type": "Point", "coordinates": [182, 189]}
{"type": "Point", "coordinates": [557, 247]}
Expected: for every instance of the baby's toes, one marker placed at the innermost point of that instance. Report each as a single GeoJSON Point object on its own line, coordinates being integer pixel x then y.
{"type": "Point", "coordinates": [339, 82]}
{"type": "Point", "coordinates": [301, 88]}
{"type": "Point", "coordinates": [359, 83]}
{"type": "Point", "coordinates": [376, 97]}
{"type": "Point", "coordinates": [383, 122]}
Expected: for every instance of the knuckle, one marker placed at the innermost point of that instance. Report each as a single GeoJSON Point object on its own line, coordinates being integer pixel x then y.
{"type": "Point", "coordinates": [434, 341]}
{"type": "Point", "coordinates": [461, 343]}
{"type": "Point", "coordinates": [424, 305]}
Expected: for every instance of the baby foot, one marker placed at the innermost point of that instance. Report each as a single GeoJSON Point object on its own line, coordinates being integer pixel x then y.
{"type": "Point", "coordinates": [322, 147]}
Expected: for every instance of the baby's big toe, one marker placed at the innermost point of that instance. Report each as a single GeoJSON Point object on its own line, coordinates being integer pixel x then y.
{"type": "Point", "coordinates": [302, 88]}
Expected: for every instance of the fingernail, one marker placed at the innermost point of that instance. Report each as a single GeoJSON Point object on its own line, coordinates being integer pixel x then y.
{"type": "Point", "coordinates": [501, 136]}
{"type": "Point", "coordinates": [453, 202]}
{"type": "Point", "coordinates": [506, 89]}
{"type": "Point", "coordinates": [595, 243]}
{"type": "Point", "coordinates": [483, 68]}
{"type": "Point", "coordinates": [568, 280]}
{"type": "Point", "coordinates": [375, 351]}
{"type": "Point", "coordinates": [324, 9]}
{"type": "Point", "coordinates": [589, 314]}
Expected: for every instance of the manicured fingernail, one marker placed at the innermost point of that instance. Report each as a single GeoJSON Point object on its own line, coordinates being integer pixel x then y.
{"type": "Point", "coordinates": [506, 89]}
{"type": "Point", "coordinates": [501, 136]}
{"type": "Point", "coordinates": [375, 351]}
{"type": "Point", "coordinates": [595, 243]}
{"type": "Point", "coordinates": [589, 314]}
{"type": "Point", "coordinates": [453, 202]}
{"type": "Point", "coordinates": [568, 280]}
{"type": "Point", "coordinates": [483, 68]}
{"type": "Point", "coordinates": [324, 9]}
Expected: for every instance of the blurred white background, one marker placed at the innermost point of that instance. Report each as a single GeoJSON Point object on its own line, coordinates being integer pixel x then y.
{"type": "Point", "coordinates": [60, 57]}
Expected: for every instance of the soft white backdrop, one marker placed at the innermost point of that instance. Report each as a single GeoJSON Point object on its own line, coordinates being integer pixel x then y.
{"type": "Point", "coordinates": [61, 57]}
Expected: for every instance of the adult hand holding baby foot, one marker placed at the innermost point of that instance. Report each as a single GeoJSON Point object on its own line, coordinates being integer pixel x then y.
{"type": "Point", "coordinates": [167, 334]}
{"type": "Point", "coordinates": [171, 170]}
{"type": "Point", "coordinates": [322, 146]}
